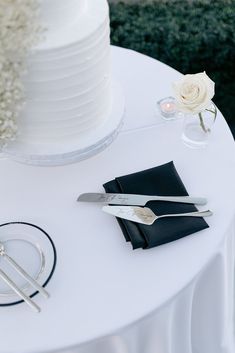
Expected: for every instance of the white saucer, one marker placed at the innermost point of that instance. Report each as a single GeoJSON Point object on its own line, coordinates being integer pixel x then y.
{"type": "Point", "coordinates": [32, 248]}
{"type": "Point", "coordinates": [74, 150]}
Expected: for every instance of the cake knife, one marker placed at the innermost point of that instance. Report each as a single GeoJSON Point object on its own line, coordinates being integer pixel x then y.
{"type": "Point", "coordinates": [137, 200]}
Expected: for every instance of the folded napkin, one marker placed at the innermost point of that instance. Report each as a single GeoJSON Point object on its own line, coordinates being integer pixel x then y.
{"type": "Point", "coordinates": [163, 181]}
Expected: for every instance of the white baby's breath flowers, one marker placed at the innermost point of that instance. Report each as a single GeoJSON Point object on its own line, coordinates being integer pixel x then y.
{"type": "Point", "coordinates": [194, 92]}
{"type": "Point", "coordinates": [19, 31]}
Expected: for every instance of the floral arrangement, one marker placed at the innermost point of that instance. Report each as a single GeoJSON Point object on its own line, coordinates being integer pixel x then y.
{"type": "Point", "coordinates": [19, 31]}
{"type": "Point", "coordinates": [193, 94]}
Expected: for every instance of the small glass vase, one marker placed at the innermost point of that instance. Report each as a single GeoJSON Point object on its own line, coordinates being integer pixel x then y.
{"type": "Point", "coordinates": [197, 127]}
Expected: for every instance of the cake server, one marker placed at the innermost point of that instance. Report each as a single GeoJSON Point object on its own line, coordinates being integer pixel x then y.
{"type": "Point", "coordinates": [146, 216]}
{"type": "Point", "coordinates": [137, 200]}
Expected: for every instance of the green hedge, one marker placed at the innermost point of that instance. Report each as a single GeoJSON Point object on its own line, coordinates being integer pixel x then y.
{"type": "Point", "coordinates": [189, 35]}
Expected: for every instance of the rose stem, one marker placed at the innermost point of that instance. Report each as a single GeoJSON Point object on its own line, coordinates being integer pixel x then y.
{"type": "Point", "coordinates": [202, 123]}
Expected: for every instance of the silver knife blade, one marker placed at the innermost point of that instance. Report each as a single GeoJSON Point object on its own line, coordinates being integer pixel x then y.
{"type": "Point", "coordinates": [136, 200]}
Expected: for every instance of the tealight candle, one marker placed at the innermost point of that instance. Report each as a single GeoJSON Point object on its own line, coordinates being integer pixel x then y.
{"type": "Point", "coordinates": [167, 108]}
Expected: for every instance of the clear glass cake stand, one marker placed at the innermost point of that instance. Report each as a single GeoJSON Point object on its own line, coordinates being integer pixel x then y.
{"type": "Point", "coordinates": [75, 150]}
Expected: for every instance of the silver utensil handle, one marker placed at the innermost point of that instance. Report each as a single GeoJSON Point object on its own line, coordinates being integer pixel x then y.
{"type": "Point", "coordinates": [26, 276]}
{"type": "Point", "coordinates": [189, 214]}
{"type": "Point", "coordinates": [183, 199]}
{"type": "Point", "coordinates": [18, 291]}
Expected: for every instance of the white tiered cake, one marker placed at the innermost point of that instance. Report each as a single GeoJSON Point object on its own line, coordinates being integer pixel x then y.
{"type": "Point", "coordinates": [69, 90]}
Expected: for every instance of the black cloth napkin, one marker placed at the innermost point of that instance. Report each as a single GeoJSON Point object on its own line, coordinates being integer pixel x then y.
{"type": "Point", "coordinates": [164, 181]}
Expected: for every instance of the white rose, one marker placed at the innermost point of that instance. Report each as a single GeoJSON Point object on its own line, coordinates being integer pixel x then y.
{"type": "Point", "coordinates": [193, 93]}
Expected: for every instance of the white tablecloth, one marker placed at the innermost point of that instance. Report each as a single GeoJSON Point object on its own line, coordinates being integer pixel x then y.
{"type": "Point", "coordinates": [105, 297]}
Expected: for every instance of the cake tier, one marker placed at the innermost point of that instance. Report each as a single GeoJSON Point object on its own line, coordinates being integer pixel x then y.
{"type": "Point", "coordinates": [56, 13]}
{"type": "Point", "coordinates": [68, 84]}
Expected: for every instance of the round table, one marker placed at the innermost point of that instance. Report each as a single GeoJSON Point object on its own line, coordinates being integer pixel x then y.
{"type": "Point", "coordinates": [105, 297]}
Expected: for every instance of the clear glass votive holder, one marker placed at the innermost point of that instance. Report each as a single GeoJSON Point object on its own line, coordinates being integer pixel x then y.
{"type": "Point", "coordinates": [167, 108]}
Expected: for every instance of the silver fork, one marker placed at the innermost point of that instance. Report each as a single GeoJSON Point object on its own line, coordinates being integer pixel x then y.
{"type": "Point", "coordinates": [18, 291]}
{"type": "Point", "coordinates": [25, 275]}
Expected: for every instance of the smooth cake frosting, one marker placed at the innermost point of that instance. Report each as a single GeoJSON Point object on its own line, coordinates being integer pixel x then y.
{"type": "Point", "coordinates": [68, 82]}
